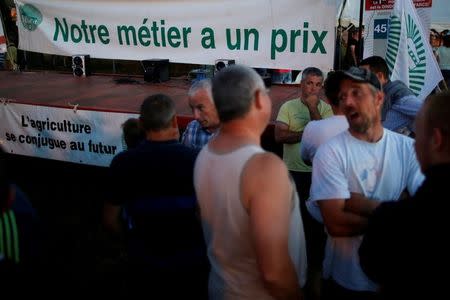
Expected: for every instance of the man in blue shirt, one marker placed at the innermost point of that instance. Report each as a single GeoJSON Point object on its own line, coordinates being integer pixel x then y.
{"type": "Point", "coordinates": [400, 103]}
{"type": "Point", "coordinates": [153, 183]}
{"type": "Point", "coordinates": [199, 131]}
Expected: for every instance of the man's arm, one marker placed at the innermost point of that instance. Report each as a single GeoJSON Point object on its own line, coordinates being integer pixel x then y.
{"type": "Point", "coordinates": [360, 205]}
{"type": "Point", "coordinates": [330, 190]}
{"type": "Point", "coordinates": [306, 147]}
{"type": "Point", "coordinates": [269, 210]}
{"type": "Point", "coordinates": [340, 222]}
{"type": "Point", "coordinates": [111, 217]}
{"type": "Point", "coordinates": [286, 136]}
{"type": "Point", "coordinates": [380, 248]}
{"type": "Point", "coordinates": [408, 105]}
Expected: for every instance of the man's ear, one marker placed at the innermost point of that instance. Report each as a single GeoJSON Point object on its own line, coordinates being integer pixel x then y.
{"type": "Point", "coordinates": [379, 98]}
{"type": "Point", "coordinates": [258, 99]}
{"type": "Point", "coordinates": [437, 139]}
{"type": "Point", "coordinates": [174, 121]}
{"type": "Point", "coordinates": [381, 76]}
{"type": "Point", "coordinates": [141, 124]}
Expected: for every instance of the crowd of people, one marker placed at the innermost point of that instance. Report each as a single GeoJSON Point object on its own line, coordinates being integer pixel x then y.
{"type": "Point", "coordinates": [346, 213]}
{"type": "Point", "coordinates": [228, 220]}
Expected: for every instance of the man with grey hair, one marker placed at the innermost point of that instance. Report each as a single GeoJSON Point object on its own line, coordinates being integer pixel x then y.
{"type": "Point", "coordinates": [292, 119]}
{"type": "Point", "coordinates": [248, 203]}
{"type": "Point", "coordinates": [164, 236]}
{"type": "Point", "coordinates": [199, 131]}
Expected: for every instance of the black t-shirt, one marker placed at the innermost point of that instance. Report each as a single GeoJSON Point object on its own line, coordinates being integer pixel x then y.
{"type": "Point", "coordinates": [152, 169]}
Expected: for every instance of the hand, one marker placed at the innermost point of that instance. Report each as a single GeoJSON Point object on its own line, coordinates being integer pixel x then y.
{"type": "Point", "coordinates": [311, 101]}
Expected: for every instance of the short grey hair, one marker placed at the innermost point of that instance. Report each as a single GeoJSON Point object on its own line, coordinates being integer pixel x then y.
{"type": "Point", "coordinates": [311, 71]}
{"type": "Point", "coordinates": [234, 90]}
{"type": "Point", "coordinates": [157, 112]}
{"type": "Point", "coordinates": [204, 84]}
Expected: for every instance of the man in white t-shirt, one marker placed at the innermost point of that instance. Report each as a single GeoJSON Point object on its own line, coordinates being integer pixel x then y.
{"type": "Point", "coordinates": [352, 173]}
{"type": "Point", "coordinates": [315, 134]}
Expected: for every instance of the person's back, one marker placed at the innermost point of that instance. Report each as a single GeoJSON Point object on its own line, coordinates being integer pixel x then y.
{"type": "Point", "coordinates": [164, 233]}
{"type": "Point", "coordinates": [252, 225]}
{"type": "Point", "coordinates": [231, 251]}
{"type": "Point", "coordinates": [403, 249]}
{"type": "Point", "coordinates": [318, 132]}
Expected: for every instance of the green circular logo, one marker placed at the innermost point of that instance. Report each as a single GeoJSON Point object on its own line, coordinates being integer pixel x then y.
{"type": "Point", "coordinates": [417, 58]}
{"type": "Point", "coordinates": [416, 51]}
{"type": "Point", "coordinates": [395, 29]}
{"type": "Point", "coordinates": [30, 16]}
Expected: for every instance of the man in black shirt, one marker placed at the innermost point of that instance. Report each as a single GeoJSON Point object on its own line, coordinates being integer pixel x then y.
{"type": "Point", "coordinates": [404, 247]}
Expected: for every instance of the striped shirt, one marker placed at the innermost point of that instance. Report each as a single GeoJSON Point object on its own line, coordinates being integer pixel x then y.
{"type": "Point", "coordinates": [195, 136]}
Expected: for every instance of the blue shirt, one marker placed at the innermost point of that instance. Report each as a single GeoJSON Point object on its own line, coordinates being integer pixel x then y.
{"type": "Point", "coordinates": [400, 107]}
{"type": "Point", "coordinates": [195, 136]}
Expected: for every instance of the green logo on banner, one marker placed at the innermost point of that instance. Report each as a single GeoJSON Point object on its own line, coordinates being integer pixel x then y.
{"type": "Point", "coordinates": [416, 52]}
{"type": "Point", "coordinates": [30, 16]}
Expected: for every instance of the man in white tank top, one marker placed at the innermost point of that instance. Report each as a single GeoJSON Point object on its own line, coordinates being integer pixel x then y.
{"type": "Point", "coordinates": [248, 203]}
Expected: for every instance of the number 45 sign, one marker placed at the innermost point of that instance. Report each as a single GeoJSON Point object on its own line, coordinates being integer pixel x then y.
{"type": "Point", "coordinates": [380, 29]}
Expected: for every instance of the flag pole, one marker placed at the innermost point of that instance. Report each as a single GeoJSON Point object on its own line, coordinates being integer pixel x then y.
{"type": "Point", "coordinates": [360, 41]}
{"type": "Point", "coordinates": [339, 37]}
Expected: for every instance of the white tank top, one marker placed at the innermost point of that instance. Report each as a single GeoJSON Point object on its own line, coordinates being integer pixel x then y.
{"type": "Point", "coordinates": [234, 271]}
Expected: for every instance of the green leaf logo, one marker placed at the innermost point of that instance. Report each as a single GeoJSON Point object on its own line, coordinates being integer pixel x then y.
{"type": "Point", "coordinates": [30, 16]}
{"type": "Point", "coordinates": [417, 57]}
{"type": "Point", "coordinates": [416, 51]}
{"type": "Point", "coordinates": [395, 29]}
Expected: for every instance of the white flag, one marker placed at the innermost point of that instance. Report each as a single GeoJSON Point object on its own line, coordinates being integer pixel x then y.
{"type": "Point", "coordinates": [409, 54]}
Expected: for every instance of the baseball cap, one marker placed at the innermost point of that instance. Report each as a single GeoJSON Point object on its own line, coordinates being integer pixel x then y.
{"type": "Point", "coordinates": [360, 75]}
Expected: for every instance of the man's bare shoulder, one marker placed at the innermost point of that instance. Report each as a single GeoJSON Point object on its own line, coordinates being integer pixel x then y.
{"type": "Point", "coordinates": [266, 163]}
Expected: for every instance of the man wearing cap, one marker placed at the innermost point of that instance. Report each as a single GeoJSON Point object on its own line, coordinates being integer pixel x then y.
{"type": "Point", "coordinates": [354, 172]}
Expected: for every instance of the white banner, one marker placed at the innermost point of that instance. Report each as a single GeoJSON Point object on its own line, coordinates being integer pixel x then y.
{"type": "Point", "coordinates": [409, 54]}
{"type": "Point", "coordinates": [78, 136]}
{"type": "Point", "coordinates": [287, 34]}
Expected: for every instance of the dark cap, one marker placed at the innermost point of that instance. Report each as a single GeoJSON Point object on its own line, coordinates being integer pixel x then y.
{"type": "Point", "coordinates": [360, 75]}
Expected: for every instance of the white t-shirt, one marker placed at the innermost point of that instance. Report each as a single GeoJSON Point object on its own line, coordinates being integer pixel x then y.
{"type": "Point", "coordinates": [318, 132]}
{"type": "Point", "coordinates": [379, 171]}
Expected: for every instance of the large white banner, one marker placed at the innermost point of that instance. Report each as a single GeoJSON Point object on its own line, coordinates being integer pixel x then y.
{"type": "Point", "coordinates": [288, 34]}
{"type": "Point", "coordinates": [78, 136]}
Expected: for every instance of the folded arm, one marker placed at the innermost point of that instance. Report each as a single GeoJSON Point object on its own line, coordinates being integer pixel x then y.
{"type": "Point", "coordinates": [286, 136]}
{"type": "Point", "coordinates": [339, 221]}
